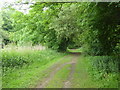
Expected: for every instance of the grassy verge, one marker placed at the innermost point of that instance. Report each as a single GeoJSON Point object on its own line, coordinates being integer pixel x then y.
{"type": "Point", "coordinates": [81, 78]}
{"type": "Point", "coordinates": [21, 69]}
{"type": "Point", "coordinates": [103, 71]}
{"type": "Point", "coordinates": [92, 73]}
{"type": "Point", "coordinates": [59, 78]}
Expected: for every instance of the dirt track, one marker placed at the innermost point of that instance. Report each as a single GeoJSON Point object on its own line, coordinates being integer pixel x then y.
{"type": "Point", "coordinates": [58, 66]}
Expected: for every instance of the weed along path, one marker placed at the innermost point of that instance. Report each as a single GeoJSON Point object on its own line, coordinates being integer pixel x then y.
{"type": "Point", "coordinates": [63, 74]}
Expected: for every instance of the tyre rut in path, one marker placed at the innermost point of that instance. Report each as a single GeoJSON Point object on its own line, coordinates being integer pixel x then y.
{"type": "Point", "coordinates": [56, 68]}
{"type": "Point", "coordinates": [53, 69]}
{"type": "Point", "coordinates": [67, 83]}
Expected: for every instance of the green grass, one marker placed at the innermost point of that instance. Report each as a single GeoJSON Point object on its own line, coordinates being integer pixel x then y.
{"type": "Point", "coordinates": [81, 77]}
{"type": "Point", "coordinates": [24, 69]}
{"type": "Point", "coordinates": [98, 73]}
{"type": "Point", "coordinates": [47, 71]}
{"type": "Point", "coordinates": [78, 50]}
{"type": "Point", "coordinates": [88, 76]}
{"type": "Point", "coordinates": [26, 75]}
{"type": "Point", "coordinates": [60, 77]}
{"type": "Point", "coordinates": [16, 58]}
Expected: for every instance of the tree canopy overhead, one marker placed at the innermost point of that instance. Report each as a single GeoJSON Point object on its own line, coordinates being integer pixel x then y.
{"type": "Point", "coordinates": [95, 26]}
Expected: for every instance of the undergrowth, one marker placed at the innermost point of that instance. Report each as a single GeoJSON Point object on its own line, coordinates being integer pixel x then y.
{"type": "Point", "coordinates": [104, 70]}
{"type": "Point", "coordinates": [21, 67]}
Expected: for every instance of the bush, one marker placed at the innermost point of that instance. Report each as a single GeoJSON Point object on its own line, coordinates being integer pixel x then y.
{"type": "Point", "coordinates": [106, 63]}
{"type": "Point", "coordinates": [104, 70]}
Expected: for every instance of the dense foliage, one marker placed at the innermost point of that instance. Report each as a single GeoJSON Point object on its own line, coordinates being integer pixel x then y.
{"type": "Point", "coordinates": [13, 59]}
{"type": "Point", "coordinates": [103, 70]}
{"type": "Point", "coordinates": [94, 26]}
{"type": "Point", "coordinates": [62, 25]}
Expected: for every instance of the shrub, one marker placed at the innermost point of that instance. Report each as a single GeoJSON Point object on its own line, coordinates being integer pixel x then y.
{"type": "Point", "coordinates": [104, 70]}
{"type": "Point", "coordinates": [106, 63]}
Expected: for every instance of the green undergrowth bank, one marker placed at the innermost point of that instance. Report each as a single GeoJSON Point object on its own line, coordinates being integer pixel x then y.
{"type": "Point", "coordinates": [96, 72]}
{"type": "Point", "coordinates": [103, 70]}
{"type": "Point", "coordinates": [22, 68]}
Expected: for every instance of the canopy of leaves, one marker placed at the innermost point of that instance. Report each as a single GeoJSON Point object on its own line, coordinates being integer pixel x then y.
{"type": "Point", "coordinates": [93, 26]}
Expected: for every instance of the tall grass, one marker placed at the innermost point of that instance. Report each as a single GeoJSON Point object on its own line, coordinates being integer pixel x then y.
{"type": "Point", "coordinates": [104, 70]}
{"type": "Point", "coordinates": [16, 59]}
{"type": "Point", "coordinates": [21, 66]}
{"type": "Point", "coordinates": [106, 64]}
